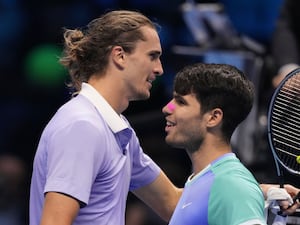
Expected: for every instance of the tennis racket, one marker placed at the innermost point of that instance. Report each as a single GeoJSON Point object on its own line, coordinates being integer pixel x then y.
{"type": "Point", "coordinates": [284, 126]}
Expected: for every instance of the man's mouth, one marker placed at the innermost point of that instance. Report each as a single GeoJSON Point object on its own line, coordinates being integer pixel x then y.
{"type": "Point", "coordinates": [170, 124]}
{"type": "Point", "coordinates": [151, 80]}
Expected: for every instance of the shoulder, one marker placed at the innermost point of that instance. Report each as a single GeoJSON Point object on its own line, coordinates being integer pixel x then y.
{"type": "Point", "coordinates": [236, 192]}
{"type": "Point", "coordinates": [76, 111]}
{"type": "Point", "coordinates": [232, 169]}
{"type": "Point", "coordinates": [234, 179]}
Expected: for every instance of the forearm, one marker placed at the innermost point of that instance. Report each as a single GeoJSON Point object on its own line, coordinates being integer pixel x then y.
{"type": "Point", "coordinates": [59, 209]}
{"type": "Point", "coordinates": [161, 195]}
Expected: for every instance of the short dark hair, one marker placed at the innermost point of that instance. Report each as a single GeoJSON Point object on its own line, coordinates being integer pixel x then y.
{"type": "Point", "coordinates": [218, 86]}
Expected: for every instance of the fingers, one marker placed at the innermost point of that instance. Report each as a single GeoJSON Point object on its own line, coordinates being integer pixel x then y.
{"type": "Point", "coordinates": [284, 205]}
{"type": "Point", "coordinates": [293, 191]}
{"type": "Point", "coordinates": [288, 210]}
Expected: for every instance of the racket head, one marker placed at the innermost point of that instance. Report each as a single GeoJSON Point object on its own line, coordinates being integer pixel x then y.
{"type": "Point", "coordinates": [284, 123]}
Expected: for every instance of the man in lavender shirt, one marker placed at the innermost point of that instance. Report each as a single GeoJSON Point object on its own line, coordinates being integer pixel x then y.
{"type": "Point", "coordinates": [89, 157]}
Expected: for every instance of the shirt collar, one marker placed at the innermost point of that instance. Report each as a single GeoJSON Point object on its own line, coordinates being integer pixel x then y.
{"type": "Point", "coordinates": [225, 157]}
{"type": "Point", "coordinates": [114, 121]}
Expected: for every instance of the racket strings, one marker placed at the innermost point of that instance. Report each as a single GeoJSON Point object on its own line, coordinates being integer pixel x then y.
{"type": "Point", "coordinates": [285, 124]}
{"type": "Point", "coordinates": [288, 129]}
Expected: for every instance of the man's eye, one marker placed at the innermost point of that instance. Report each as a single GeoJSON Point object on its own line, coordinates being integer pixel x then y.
{"type": "Point", "coordinates": [154, 56]}
{"type": "Point", "coordinates": [180, 101]}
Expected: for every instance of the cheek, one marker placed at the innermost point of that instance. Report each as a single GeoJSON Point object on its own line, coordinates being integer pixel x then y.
{"type": "Point", "coordinates": [191, 126]}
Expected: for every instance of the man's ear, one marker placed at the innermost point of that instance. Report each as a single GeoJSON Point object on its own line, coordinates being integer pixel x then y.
{"type": "Point", "coordinates": [215, 117]}
{"type": "Point", "coordinates": [118, 56]}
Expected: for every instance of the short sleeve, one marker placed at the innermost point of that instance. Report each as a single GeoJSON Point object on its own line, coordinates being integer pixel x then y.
{"type": "Point", "coordinates": [236, 200]}
{"type": "Point", "coordinates": [144, 169]}
{"type": "Point", "coordinates": [73, 160]}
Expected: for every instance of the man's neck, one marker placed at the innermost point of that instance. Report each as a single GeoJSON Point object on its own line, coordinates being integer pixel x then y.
{"type": "Point", "coordinates": [206, 154]}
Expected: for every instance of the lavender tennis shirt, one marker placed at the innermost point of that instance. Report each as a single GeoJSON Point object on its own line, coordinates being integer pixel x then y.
{"type": "Point", "coordinates": [89, 152]}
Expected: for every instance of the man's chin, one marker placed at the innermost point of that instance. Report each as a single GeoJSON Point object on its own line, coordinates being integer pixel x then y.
{"type": "Point", "coordinates": [143, 96]}
{"type": "Point", "coordinates": [170, 142]}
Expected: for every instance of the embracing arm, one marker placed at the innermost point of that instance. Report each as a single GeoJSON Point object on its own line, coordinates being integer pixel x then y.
{"type": "Point", "coordinates": [161, 195]}
{"type": "Point", "coordinates": [59, 209]}
{"type": "Point", "coordinates": [293, 191]}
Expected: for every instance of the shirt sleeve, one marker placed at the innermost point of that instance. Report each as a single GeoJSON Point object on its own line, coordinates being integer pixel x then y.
{"type": "Point", "coordinates": [237, 201]}
{"type": "Point", "coordinates": [144, 169]}
{"type": "Point", "coordinates": [73, 160]}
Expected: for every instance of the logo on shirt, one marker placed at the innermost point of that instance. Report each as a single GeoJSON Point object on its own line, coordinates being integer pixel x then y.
{"type": "Point", "coordinates": [186, 205]}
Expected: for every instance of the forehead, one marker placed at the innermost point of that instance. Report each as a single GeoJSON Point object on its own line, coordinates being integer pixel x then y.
{"type": "Point", "coordinates": [189, 98]}
{"type": "Point", "coordinates": [152, 40]}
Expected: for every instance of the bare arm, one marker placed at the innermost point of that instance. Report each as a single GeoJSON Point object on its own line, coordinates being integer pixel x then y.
{"type": "Point", "coordinates": [161, 195]}
{"type": "Point", "coordinates": [59, 209]}
{"type": "Point", "coordinates": [293, 191]}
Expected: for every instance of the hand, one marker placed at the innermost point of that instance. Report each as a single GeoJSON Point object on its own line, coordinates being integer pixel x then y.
{"type": "Point", "coordinates": [294, 193]}
{"type": "Point", "coordinates": [287, 205]}
{"type": "Point", "coordinates": [288, 210]}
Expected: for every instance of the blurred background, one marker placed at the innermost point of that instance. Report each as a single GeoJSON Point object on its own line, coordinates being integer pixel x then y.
{"type": "Point", "coordinates": [236, 32]}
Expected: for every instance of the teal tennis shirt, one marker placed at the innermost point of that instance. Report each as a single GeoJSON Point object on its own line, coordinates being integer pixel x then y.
{"type": "Point", "coordinates": [224, 193]}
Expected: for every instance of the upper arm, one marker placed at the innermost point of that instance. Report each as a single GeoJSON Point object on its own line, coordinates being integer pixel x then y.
{"type": "Point", "coordinates": [76, 144]}
{"type": "Point", "coordinates": [161, 195]}
{"type": "Point", "coordinates": [59, 209]}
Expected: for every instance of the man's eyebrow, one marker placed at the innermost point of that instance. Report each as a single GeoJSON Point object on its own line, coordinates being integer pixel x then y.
{"type": "Point", "coordinates": [177, 96]}
{"type": "Point", "coordinates": [156, 52]}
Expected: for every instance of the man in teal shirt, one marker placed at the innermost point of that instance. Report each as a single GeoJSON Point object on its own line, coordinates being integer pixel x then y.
{"type": "Point", "coordinates": [209, 102]}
